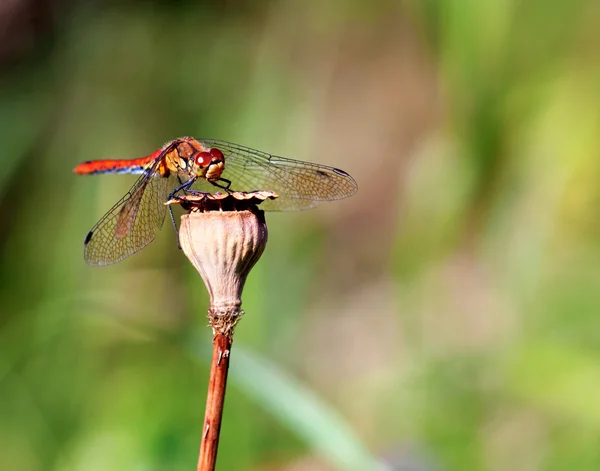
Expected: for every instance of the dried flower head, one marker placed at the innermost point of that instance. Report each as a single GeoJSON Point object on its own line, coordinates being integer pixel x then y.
{"type": "Point", "coordinates": [223, 235]}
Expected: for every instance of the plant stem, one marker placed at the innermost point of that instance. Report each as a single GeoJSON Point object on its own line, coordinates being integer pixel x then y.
{"type": "Point", "coordinates": [214, 402]}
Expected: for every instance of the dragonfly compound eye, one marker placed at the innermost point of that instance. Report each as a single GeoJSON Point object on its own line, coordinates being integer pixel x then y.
{"type": "Point", "coordinates": [203, 159]}
{"type": "Point", "coordinates": [217, 154]}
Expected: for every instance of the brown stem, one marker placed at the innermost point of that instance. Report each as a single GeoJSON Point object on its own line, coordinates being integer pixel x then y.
{"type": "Point", "coordinates": [214, 402]}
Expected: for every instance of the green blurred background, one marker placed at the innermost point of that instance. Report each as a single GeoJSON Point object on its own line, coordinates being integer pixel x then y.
{"type": "Point", "coordinates": [444, 318]}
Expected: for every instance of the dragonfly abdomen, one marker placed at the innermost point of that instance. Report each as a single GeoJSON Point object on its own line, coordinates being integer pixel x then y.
{"type": "Point", "coordinates": [134, 166]}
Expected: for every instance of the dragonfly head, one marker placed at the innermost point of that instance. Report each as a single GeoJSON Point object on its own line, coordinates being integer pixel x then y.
{"type": "Point", "coordinates": [208, 164]}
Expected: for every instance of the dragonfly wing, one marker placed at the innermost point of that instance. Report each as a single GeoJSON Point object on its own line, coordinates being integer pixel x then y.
{"type": "Point", "coordinates": [300, 185]}
{"type": "Point", "coordinates": [132, 223]}
{"type": "Point", "coordinates": [287, 204]}
{"type": "Point", "coordinates": [278, 204]}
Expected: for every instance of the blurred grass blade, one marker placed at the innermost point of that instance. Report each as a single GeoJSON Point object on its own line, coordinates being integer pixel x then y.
{"type": "Point", "coordinates": [301, 411]}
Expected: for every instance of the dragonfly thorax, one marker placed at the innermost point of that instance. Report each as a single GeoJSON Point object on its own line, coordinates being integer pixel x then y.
{"type": "Point", "coordinates": [191, 158]}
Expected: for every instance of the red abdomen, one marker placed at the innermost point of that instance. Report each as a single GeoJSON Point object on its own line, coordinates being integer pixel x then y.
{"type": "Point", "coordinates": [92, 167]}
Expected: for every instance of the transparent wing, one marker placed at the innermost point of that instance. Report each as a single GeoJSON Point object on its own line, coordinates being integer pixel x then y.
{"type": "Point", "coordinates": [300, 185]}
{"type": "Point", "coordinates": [132, 223]}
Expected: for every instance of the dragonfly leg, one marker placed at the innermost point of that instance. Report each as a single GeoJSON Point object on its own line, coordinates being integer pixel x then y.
{"type": "Point", "coordinates": [184, 186]}
{"type": "Point", "coordinates": [225, 186]}
{"type": "Point", "coordinates": [174, 226]}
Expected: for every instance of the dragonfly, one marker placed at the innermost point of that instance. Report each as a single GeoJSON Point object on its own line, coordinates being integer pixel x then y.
{"type": "Point", "coordinates": [188, 165]}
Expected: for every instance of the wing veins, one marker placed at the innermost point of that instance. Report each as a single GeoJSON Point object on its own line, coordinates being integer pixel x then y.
{"type": "Point", "coordinates": [306, 180]}
{"type": "Point", "coordinates": [110, 241]}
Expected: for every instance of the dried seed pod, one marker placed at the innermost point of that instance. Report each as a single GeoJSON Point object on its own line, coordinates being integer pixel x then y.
{"type": "Point", "coordinates": [223, 236]}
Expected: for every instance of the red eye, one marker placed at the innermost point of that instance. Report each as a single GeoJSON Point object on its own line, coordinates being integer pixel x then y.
{"type": "Point", "coordinates": [202, 159]}
{"type": "Point", "coordinates": [217, 154]}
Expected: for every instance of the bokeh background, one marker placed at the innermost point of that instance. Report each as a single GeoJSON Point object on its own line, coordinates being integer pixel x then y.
{"type": "Point", "coordinates": [446, 317]}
